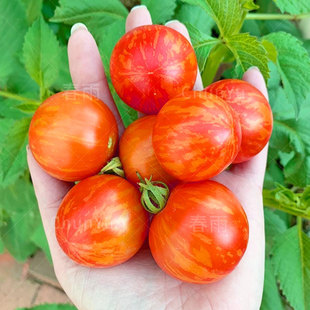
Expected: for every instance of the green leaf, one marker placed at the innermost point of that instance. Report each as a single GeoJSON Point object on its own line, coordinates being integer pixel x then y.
{"type": "Point", "coordinates": [281, 108]}
{"type": "Point", "coordinates": [274, 79]}
{"type": "Point", "coordinates": [33, 9]}
{"type": "Point", "coordinates": [271, 295]}
{"type": "Point", "coordinates": [12, 31]}
{"type": "Point", "coordinates": [202, 44]}
{"type": "Point", "coordinates": [160, 13]}
{"type": "Point", "coordinates": [274, 226]}
{"type": "Point", "coordinates": [268, 26]}
{"type": "Point", "coordinates": [291, 261]}
{"type": "Point", "coordinates": [13, 143]}
{"type": "Point", "coordinates": [28, 107]}
{"type": "Point", "coordinates": [39, 239]}
{"type": "Point", "coordinates": [22, 217]}
{"type": "Point", "coordinates": [286, 138]}
{"type": "Point", "coordinates": [249, 5]}
{"type": "Point", "coordinates": [252, 27]}
{"type": "Point", "coordinates": [274, 173]}
{"type": "Point", "coordinates": [228, 14]}
{"type": "Point", "coordinates": [8, 110]}
{"type": "Point", "coordinates": [196, 16]}
{"type": "Point", "coordinates": [41, 54]}
{"type": "Point", "coordinates": [272, 53]}
{"type": "Point", "coordinates": [294, 66]}
{"type": "Point", "coordinates": [94, 14]}
{"type": "Point", "coordinates": [293, 6]}
{"type": "Point", "coordinates": [248, 52]}
{"type": "Point", "coordinates": [307, 45]}
{"type": "Point", "coordinates": [1, 245]}
{"type": "Point", "coordinates": [51, 307]}
{"type": "Point", "coordinates": [64, 81]}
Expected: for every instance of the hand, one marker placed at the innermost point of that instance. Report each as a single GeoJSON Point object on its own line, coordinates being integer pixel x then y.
{"type": "Point", "coordinates": [140, 283]}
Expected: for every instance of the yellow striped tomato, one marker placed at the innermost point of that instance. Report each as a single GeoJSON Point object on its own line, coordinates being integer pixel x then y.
{"type": "Point", "coordinates": [196, 136]}
{"type": "Point", "coordinates": [150, 65]}
{"type": "Point", "coordinates": [101, 222]}
{"type": "Point", "coordinates": [254, 114]}
{"type": "Point", "coordinates": [72, 135]}
{"type": "Point", "coordinates": [201, 234]}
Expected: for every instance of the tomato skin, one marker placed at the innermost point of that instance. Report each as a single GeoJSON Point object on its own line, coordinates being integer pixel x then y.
{"type": "Point", "coordinates": [196, 136]}
{"type": "Point", "coordinates": [150, 65]}
{"type": "Point", "coordinates": [101, 222]}
{"type": "Point", "coordinates": [137, 154]}
{"type": "Point", "coordinates": [201, 234]}
{"type": "Point", "coordinates": [254, 113]}
{"type": "Point", "coordinates": [72, 135]}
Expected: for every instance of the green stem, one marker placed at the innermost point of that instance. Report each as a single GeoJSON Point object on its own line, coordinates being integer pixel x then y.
{"type": "Point", "coordinates": [293, 211]}
{"type": "Point", "coordinates": [114, 166]}
{"type": "Point", "coordinates": [17, 97]}
{"type": "Point", "coordinates": [213, 62]}
{"type": "Point", "coordinates": [154, 194]}
{"type": "Point", "coordinates": [263, 16]}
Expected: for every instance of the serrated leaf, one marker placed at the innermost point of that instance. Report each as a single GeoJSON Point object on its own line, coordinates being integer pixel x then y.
{"type": "Point", "coordinates": [33, 9]}
{"type": "Point", "coordinates": [63, 81]}
{"type": "Point", "coordinates": [51, 307]}
{"type": "Point", "coordinates": [252, 27]}
{"type": "Point", "coordinates": [281, 108]}
{"type": "Point", "coordinates": [196, 16]}
{"type": "Point", "coordinates": [94, 14]}
{"type": "Point", "coordinates": [274, 173]}
{"type": "Point", "coordinates": [12, 31]}
{"type": "Point", "coordinates": [202, 44]}
{"type": "Point", "coordinates": [271, 295]}
{"type": "Point", "coordinates": [228, 14]}
{"type": "Point", "coordinates": [248, 52]}
{"type": "Point", "coordinates": [22, 217]}
{"type": "Point", "coordinates": [307, 45]}
{"type": "Point", "coordinates": [286, 138]}
{"type": "Point", "coordinates": [274, 226]}
{"type": "Point", "coordinates": [160, 13]}
{"type": "Point", "coordinates": [13, 143]}
{"type": "Point", "coordinates": [294, 66]}
{"type": "Point", "coordinates": [291, 262]}
{"type": "Point", "coordinates": [41, 54]}
{"type": "Point", "coordinates": [293, 6]}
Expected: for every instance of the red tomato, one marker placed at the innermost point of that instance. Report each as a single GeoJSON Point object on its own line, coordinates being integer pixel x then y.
{"type": "Point", "coordinates": [150, 65]}
{"type": "Point", "coordinates": [137, 154]}
{"type": "Point", "coordinates": [196, 136]}
{"type": "Point", "coordinates": [202, 233]}
{"type": "Point", "coordinates": [101, 222]}
{"type": "Point", "coordinates": [254, 113]}
{"type": "Point", "coordinates": [72, 135]}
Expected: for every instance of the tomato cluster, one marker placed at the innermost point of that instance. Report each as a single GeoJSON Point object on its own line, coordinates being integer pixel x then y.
{"type": "Point", "coordinates": [202, 232]}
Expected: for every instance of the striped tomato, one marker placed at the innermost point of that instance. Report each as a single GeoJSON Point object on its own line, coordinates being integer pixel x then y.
{"type": "Point", "coordinates": [137, 154]}
{"type": "Point", "coordinates": [196, 136]}
{"type": "Point", "coordinates": [202, 233]}
{"type": "Point", "coordinates": [254, 113]}
{"type": "Point", "coordinates": [101, 222]}
{"type": "Point", "coordinates": [151, 64]}
{"type": "Point", "coordinates": [72, 135]}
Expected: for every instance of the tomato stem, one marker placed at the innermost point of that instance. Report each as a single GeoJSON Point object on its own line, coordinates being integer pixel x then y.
{"type": "Point", "coordinates": [154, 194]}
{"type": "Point", "coordinates": [114, 166]}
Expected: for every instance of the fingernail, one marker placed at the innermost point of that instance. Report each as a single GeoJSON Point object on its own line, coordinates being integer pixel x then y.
{"type": "Point", "coordinates": [171, 21]}
{"type": "Point", "coordinates": [27, 148]}
{"type": "Point", "coordinates": [253, 68]}
{"type": "Point", "coordinates": [138, 7]}
{"type": "Point", "coordinates": [78, 26]}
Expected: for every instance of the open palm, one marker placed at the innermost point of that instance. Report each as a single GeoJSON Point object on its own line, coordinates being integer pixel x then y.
{"type": "Point", "coordinates": [140, 283]}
